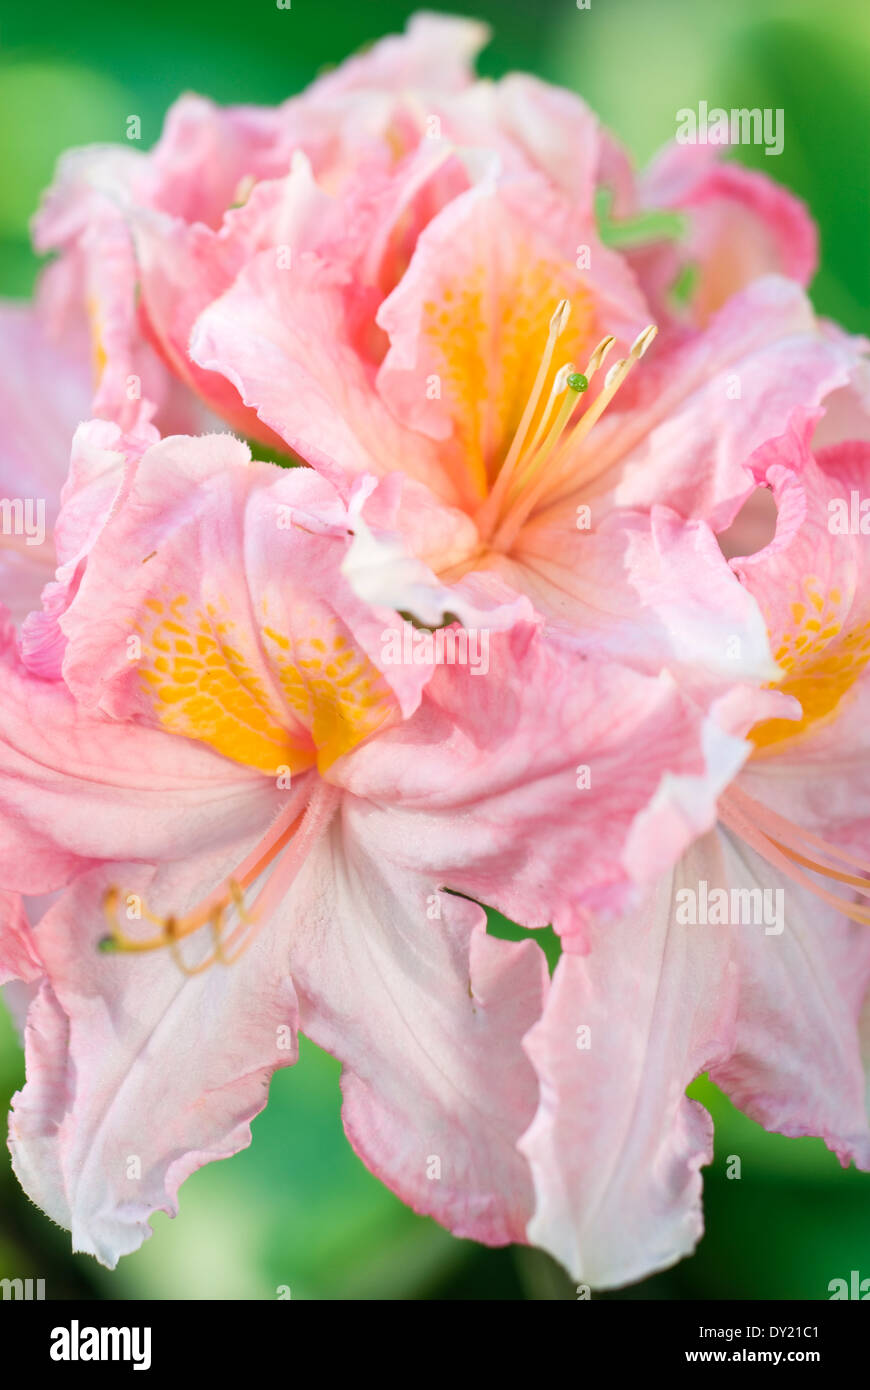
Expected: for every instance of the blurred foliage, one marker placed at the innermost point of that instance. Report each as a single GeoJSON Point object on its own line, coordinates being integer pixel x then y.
{"type": "Point", "coordinates": [298, 1209]}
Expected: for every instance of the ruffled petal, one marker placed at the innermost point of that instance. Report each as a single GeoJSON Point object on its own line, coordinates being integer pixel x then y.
{"type": "Point", "coordinates": [138, 1073]}
{"type": "Point", "coordinates": [426, 1013]}
{"type": "Point", "coordinates": [616, 1146]}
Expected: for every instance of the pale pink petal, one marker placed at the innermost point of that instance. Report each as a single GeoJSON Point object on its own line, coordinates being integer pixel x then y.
{"type": "Point", "coordinates": [101, 466]}
{"type": "Point", "coordinates": [796, 1065]}
{"type": "Point", "coordinates": [847, 411]}
{"type": "Point", "coordinates": [435, 50]}
{"type": "Point", "coordinates": [648, 589]}
{"type": "Point", "coordinates": [551, 129]}
{"type": "Point", "coordinates": [44, 392]}
{"type": "Point", "coordinates": [284, 342]}
{"type": "Point", "coordinates": [616, 1147]}
{"type": "Point", "coordinates": [718, 397]}
{"type": "Point", "coordinates": [742, 225]}
{"type": "Point", "coordinates": [426, 1013]}
{"type": "Point", "coordinates": [206, 152]}
{"type": "Point", "coordinates": [137, 1073]}
{"type": "Point", "coordinates": [811, 579]}
{"type": "Point", "coordinates": [213, 606]}
{"type": "Point", "coordinates": [19, 958]}
{"type": "Point", "coordinates": [385, 570]}
{"type": "Point", "coordinates": [184, 266]}
{"type": "Point", "coordinates": [76, 789]}
{"type": "Point", "coordinates": [519, 779]}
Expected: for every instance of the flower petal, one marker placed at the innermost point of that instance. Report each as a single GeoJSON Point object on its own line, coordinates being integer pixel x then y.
{"type": "Point", "coordinates": [76, 788]}
{"type": "Point", "coordinates": [213, 606]}
{"type": "Point", "coordinates": [472, 313]}
{"type": "Point", "coordinates": [427, 1013]}
{"type": "Point", "coordinates": [518, 780]}
{"type": "Point", "coordinates": [796, 1065]}
{"type": "Point", "coordinates": [718, 396]}
{"type": "Point", "coordinates": [137, 1073]}
{"type": "Point", "coordinates": [44, 392]}
{"type": "Point", "coordinates": [616, 1146]}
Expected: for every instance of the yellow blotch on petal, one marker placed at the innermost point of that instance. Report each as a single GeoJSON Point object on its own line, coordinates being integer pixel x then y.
{"type": "Point", "coordinates": [333, 688]}
{"type": "Point", "coordinates": [200, 685]}
{"type": "Point", "coordinates": [292, 701]}
{"type": "Point", "coordinates": [821, 659]}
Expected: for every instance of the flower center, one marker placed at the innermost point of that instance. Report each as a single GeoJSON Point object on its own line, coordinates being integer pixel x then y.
{"type": "Point", "coordinates": [536, 464]}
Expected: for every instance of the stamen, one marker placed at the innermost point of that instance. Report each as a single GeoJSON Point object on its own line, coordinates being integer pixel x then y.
{"type": "Point", "coordinates": [773, 836]}
{"type": "Point", "coordinates": [557, 328]}
{"type": "Point", "coordinates": [558, 321]}
{"type": "Point", "coordinates": [560, 385]}
{"type": "Point", "coordinates": [211, 911]}
{"type": "Point", "coordinates": [173, 930]}
{"type": "Point", "coordinates": [612, 382]}
{"type": "Point", "coordinates": [526, 496]}
{"type": "Point", "coordinates": [300, 827]}
{"type": "Point", "coordinates": [571, 385]}
{"type": "Point", "coordinates": [596, 358]}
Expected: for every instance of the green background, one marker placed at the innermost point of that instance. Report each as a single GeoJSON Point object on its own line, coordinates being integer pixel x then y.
{"type": "Point", "coordinates": [298, 1209]}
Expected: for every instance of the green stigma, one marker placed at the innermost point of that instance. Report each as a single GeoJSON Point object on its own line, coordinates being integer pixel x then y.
{"type": "Point", "coordinates": [577, 381]}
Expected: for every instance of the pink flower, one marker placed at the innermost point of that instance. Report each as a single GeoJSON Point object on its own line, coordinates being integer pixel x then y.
{"type": "Point", "coordinates": [570, 490]}
{"type": "Point", "coordinates": [388, 141]}
{"type": "Point", "coordinates": [273, 823]}
{"type": "Point", "coordinates": [738, 226]}
{"type": "Point", "coordinates": [271, 800]}
{"type": "Point", "coordinates": [769, 1000]}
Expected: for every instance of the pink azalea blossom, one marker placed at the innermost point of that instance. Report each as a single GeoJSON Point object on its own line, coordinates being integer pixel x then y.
{"type": "Point", "coordinates": [771, 1008]}
{"type": "Point", "coordinates": [148, 241]}
{"type": "Point", "coordinates": [252, 804]}
{"type": "Point", "coordinates": [213, 763]}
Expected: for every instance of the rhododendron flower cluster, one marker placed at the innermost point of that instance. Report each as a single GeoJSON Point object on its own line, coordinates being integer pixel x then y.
{"type": "Point", "coordinates": [411, 551]}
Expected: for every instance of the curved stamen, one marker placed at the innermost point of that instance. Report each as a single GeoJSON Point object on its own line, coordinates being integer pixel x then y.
{"type": "Point", "coordinates": [557, 328]}
{"type": "Point", "coordinates": [752, 823]}
{"type": "Point", "coordinates": [533, 487]}
{"type": "Point", "coordinates": [211, 911]}
{"type": "Point", "coordinates": [302, 828]}
{"type": "Point", "coordinates": [763, 815]}
{"type": "Point", "coordinates": [489, 508]}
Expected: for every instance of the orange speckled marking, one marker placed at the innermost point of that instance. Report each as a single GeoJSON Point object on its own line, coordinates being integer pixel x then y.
{"type": "Point", "coordinates": [323, 697]}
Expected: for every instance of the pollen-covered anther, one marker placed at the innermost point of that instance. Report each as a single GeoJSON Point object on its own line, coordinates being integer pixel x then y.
{"type": "Point", "coordinates": [616, 371]}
